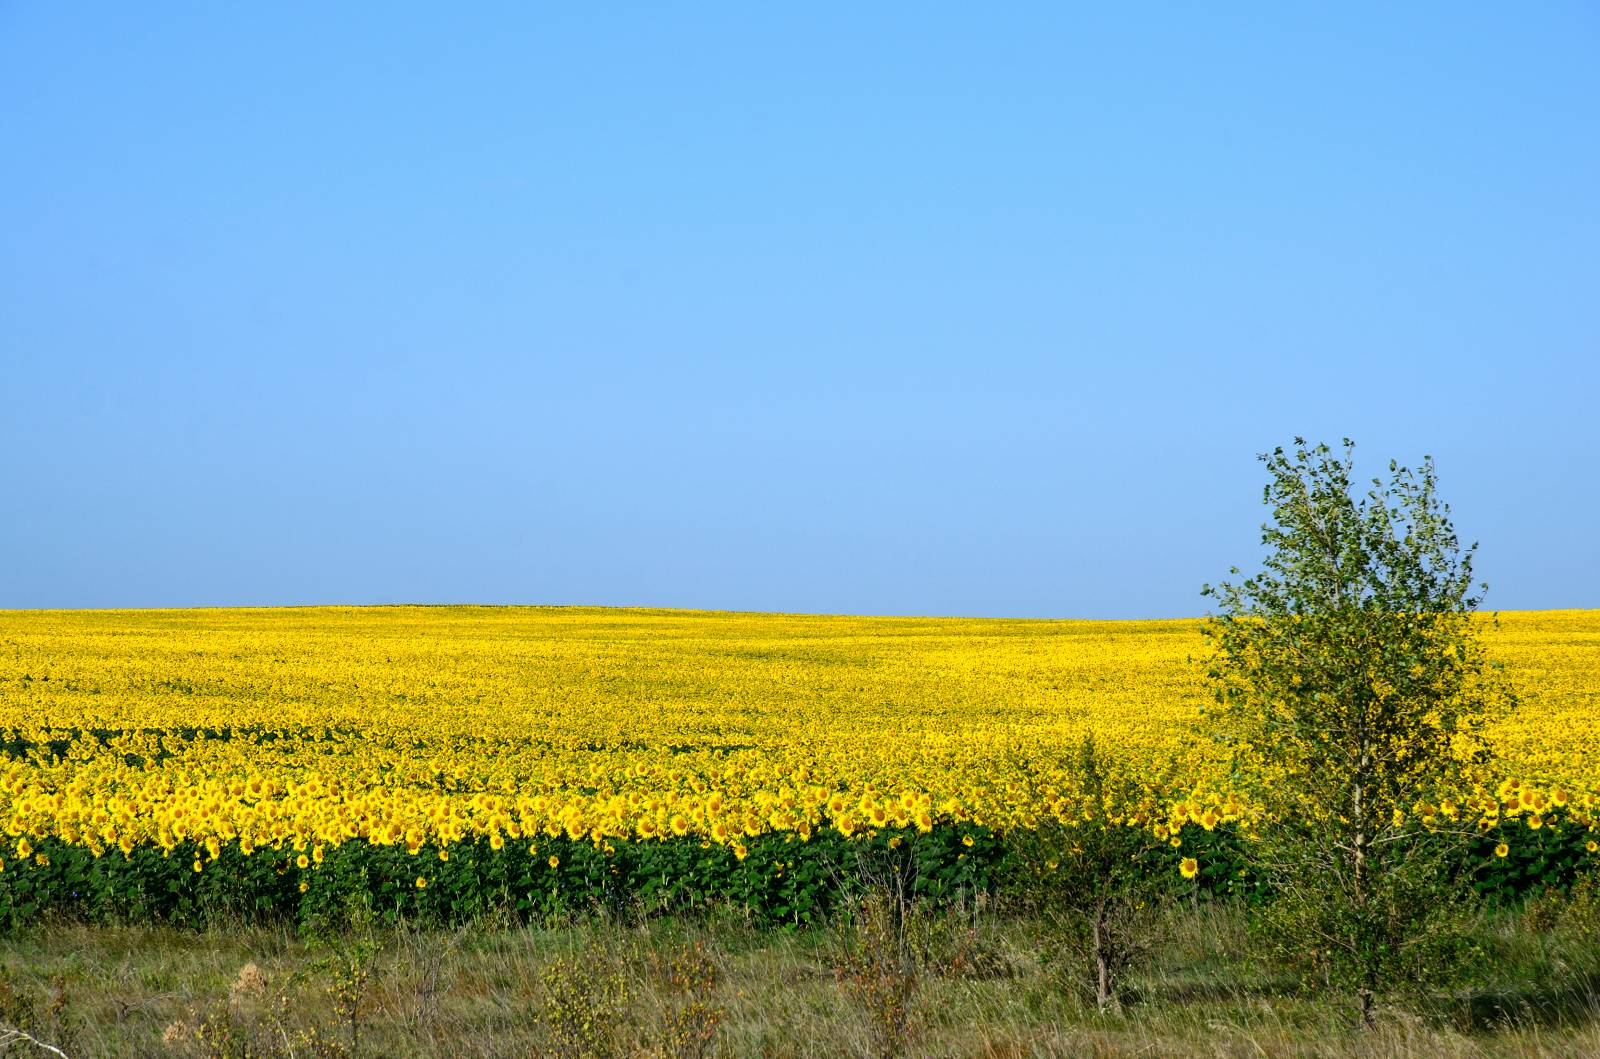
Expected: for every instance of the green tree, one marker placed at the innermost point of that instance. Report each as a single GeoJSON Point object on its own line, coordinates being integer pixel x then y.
{"type": "Point", "coordinates": [1352, 687]}
{"type": "Point", "coordinates": [1099, 883]}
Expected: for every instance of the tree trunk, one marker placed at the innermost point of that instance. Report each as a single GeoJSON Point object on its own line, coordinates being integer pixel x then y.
{"type": "Point", "coordinates": [1104, 993]}
{"type": "Point", "coordinates": [1358, 893]}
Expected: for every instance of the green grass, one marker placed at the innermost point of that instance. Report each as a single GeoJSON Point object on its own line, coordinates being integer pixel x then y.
{"type": "Point", "coordinates": [984, 988]}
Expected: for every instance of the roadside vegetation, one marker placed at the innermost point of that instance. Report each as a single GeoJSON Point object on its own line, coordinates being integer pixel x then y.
{"type": "Point", "coordinates": [962, 983]}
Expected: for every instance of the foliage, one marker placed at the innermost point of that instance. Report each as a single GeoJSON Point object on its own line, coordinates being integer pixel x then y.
{"type": "Point", "coordinates": [1408, 928]}
{"type": "Point", "coordinates": [1099, 883]}
{"type": "Point", "coordinates": [41, 1018]}
{"type": "Point", "coordinates": [1573, 911]}
{"type": "Point", "coordinates": [877, 965]}
{"type": "Point", "coordinates": [1353, 691]}
{"type": "Point", "coordinates": [582, 1004]}
{"type": "Point", "coordinates": [687, 1025]}
{"type": "Point", "coordinates": [347, 971]}
{"type": "Point", "coordinates": [1508, 862]}
{"type": "Point", "coordinates": [1580, 914]}
{"type": "Point", "coordinates": [958, 942]}
{"type": "Point", "coordinates": [780, 880]}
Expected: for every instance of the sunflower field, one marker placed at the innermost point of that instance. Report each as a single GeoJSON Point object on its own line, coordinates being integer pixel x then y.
{"type": "Point", "coordinates": [445, 760]}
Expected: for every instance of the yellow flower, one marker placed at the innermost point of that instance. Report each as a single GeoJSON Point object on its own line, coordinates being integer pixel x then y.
{"type": "Point", "coordinates": [422, 884]}
{"type": "Point", "coordinates": [1501, 850]}
{"type": "Point", "coordinates": [966, 840]}
{"type": "Point", "coordinates": [555, 861]}
{"type": "Point", "coordinates": [434, 745]}
{"type": "Point", "coordinates": [1189, 868]}
{"type": "Point", "coordinates": [302, 861]}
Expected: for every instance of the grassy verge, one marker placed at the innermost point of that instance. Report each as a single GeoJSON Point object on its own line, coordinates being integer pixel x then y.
{"type": "Point", "coordinates": [977, 984]}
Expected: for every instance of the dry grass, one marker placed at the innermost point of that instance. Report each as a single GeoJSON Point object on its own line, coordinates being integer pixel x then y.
{"type": "Point", "coordinates": [134, 991]}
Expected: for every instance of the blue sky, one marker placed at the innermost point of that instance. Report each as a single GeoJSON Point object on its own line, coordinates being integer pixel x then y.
{"type": "Point", "coordinates": [847, 308]}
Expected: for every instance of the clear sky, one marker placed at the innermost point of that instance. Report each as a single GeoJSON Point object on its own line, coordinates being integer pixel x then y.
{"type": "Point", "coordinates": [863, 308]}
